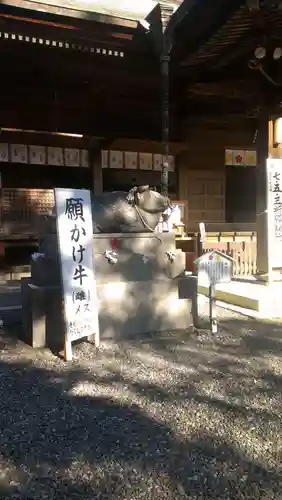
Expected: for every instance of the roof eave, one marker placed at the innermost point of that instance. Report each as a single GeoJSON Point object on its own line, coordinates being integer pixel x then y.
{"type": "Point", "coordinates": [81, 15]}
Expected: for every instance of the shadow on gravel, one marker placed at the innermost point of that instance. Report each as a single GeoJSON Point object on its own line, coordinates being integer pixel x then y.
{"type": "Point", "coordinates": [242, 337]}
{"type": "Point", "coordinates": [240, 343]}
{"type": "Point", "coordinates": [58, 446]}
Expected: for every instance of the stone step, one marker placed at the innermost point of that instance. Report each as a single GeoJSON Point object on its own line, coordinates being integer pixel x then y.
{"type": "Point", "coordinates": [250, 295]}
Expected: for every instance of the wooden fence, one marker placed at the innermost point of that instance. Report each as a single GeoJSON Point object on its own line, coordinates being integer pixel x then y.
{"type": "Point", "coordinates": [241, 246]}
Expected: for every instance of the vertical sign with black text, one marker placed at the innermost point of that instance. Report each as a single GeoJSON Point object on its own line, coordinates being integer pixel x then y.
{"type": "Point", "coordinates": [274, 211]}
{"type": "Point", "coordinates": [75, 239]}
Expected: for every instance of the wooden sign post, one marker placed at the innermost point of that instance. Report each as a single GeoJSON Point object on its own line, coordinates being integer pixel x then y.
{"type": "Point", "coordinates": [274, 215]}
{"type": "Point", "coordinates": [75, 242]}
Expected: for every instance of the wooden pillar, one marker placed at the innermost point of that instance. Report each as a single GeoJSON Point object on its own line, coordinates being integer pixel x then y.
{"type": "Point", "coordinates": [95, 164]}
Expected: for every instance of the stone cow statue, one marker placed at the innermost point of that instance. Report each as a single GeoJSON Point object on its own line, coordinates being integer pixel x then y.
{"type": "Point", "coordinates": [137, 211]}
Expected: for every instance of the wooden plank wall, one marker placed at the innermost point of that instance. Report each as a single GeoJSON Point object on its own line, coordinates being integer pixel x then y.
{"type": "Point", "coordinates": [201, 172]}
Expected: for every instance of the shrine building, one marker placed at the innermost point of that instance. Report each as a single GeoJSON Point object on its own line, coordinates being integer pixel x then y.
{"type": "Point", "coordinates": [82, 105]}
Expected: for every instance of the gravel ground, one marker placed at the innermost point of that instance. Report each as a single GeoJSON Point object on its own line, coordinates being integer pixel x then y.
{"type": "Point", "coordinates": [177, 416]}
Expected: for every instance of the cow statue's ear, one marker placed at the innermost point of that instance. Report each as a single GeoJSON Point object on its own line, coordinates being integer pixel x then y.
{"type": "Point", "coordinates": [142, 189]}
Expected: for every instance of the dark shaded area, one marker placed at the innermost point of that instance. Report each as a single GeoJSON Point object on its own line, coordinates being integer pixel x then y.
{"type": "Point", "coordinates": [124, 180]}
{"type": "Point", "coordinates": [45, 177]}
{"type": "Point", "coordinates": [240, 200]}
{"type": "Point", "coordinates": [23, 209]}
{"type": "Point", "coordinates": [71, 95]}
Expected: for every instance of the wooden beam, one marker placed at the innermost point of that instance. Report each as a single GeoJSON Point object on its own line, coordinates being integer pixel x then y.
{"type": "Point", "coordinates": [57, 11]}
{"type": "Point", "coordinates": [98, 100]}
{"type": "Point", "coordinates": [104, 99]}
{"type": "Point", "coordinates": [52, 61]}
{"type": "Point", "coordinates": [71, 31]}
{"type": "Point", "coordinates": [94, 155]}
{"type": "Point", "coordinates": [179, 15]}
{"type": "Point", "coordinates": [244, 90]}
{"type": "Point", "coordinates": [201, 22]}
{"type": "Point", "coordinates": [128, 109]}
{"type": "Point", "coordinates": [131, 87]}
{"type": "Point", "coordinates": [236, 72]}
{"type": "Point", "coordinates": [208, 105]}
{"type": "Point", "coordinates": [240, 49]}
{"type": "Point", "coordinates": [219, 122]}
{"type": "Point", "coordinates": [114, 124]}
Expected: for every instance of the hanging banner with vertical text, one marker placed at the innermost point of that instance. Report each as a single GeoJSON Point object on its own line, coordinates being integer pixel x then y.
{"type": "Point", "coordinates": [75, 241]}
{"type": "Point", "coordinates": [274, 211]}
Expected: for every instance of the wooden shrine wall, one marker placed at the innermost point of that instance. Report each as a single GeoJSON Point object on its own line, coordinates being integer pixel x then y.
{"type": "Point", "coordinates": [202, 172]}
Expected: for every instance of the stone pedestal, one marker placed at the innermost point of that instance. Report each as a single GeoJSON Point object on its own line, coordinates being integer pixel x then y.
{"type": "Point", "coordinates": [127, 310]}
{"type": "Point", "coordinates": [143, 292]}
{"type": "Point", "coordinates": [33, 314]}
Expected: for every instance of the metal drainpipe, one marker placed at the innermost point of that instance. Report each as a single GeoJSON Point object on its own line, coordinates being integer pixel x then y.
{"type": "Point", "coordinates": [159, 21]}
{"type": "Point", "coordinates": [165, 58]}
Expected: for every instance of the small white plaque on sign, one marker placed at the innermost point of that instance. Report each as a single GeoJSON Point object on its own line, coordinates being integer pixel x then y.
{"type": "Point", "coordinates": [84, 158]}
{"type": "Point", "coordinates": [4, 152]}
{"type": "Point", "coordinates": [131, 160]}
{"type": "Point", "coordinates": [75, 236]}
{"type": "Point", "coordinates": [145, 161]}
{"type": "Point", "coordinates": [71, 157]}
{"type": "Point", "coordinates": [158, 159]}
{"type": "Point", "coordinates": [37, 155]}
{"type": "Point", "coordinates": [251, 158]}
{"type": "Point", "coordinates": [19, 153]}
{"type": "Point", "coordinates": [228, 157]}
{"type": "Point", "coordinates": [55, 156]}
{"type": "Point", "coordinates": [116, 159]}
{"type": "Point", "coordinates": [171, 163]}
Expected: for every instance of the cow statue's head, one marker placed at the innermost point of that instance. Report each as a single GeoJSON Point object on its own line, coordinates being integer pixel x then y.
{"type": "Point", "coordinates": [148, 200]}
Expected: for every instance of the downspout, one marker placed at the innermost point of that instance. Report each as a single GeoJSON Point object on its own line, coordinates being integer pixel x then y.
{"type": "Point", "coordinates": [158, 20]}
{"type": "Point", "coordinates": [165, 101]}
{"type": "Point", "coordinates": [165, 59]}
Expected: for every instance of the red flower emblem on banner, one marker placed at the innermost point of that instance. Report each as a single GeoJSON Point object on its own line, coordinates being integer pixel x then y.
{"type": "Point", "coordinates": [238, 159]}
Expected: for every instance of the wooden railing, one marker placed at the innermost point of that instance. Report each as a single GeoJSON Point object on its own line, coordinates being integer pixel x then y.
{"type": "Point", "coordinates": [242, 247]}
